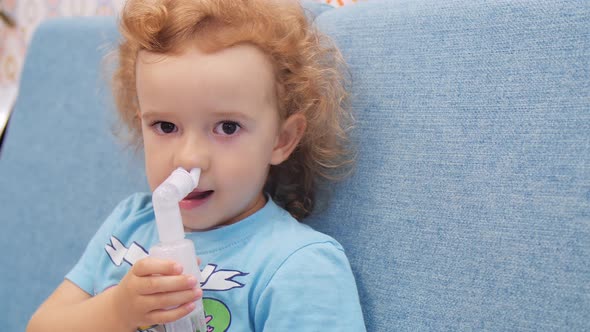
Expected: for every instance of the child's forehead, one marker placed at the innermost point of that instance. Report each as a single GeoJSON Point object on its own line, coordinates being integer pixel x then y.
{"type": "Point", "coordinates": [238, 57]}
{"type": "Point", "coordinates": [242, 70]}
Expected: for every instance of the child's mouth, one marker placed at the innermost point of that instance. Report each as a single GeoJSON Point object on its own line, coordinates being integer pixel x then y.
{"type": "Point", "coordinates": [195, 199]}
{"type": "Point", "coordinates": [198, 195]}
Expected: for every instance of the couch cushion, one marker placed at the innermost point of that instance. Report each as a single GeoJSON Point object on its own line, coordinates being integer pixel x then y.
{"type": "Point", "coordinates": [61, 169]}
{"type": "Point", "coordinates": [470, 206]}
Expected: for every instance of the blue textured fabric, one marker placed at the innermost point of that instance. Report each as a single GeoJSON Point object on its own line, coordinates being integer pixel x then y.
{"type": "Point", "coordinates": [61, 169]}
{"type": "Point", "coordinates": [470, 205]}
{"type": "Point", "coordinates": [258, 271]}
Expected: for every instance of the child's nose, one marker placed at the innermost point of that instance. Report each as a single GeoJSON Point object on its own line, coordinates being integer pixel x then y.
{"type": "Point", "coordinates": [192, 153]}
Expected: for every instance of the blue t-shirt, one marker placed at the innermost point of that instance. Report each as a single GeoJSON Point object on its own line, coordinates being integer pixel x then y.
{"type": "Point", "coordinates": [267, 272]}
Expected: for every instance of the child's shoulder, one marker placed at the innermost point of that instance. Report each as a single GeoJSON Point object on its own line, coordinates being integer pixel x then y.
{"type": "Point", "coordinates": [290, 249]}
{"type": "Point", "coordinates": [294, 234]}
{"type": "Point", "coordinates": [138, 201]}
{"type": "Point", "coordinates": [136, 205]}
{"type": "Point", "coordinates": [130, 212]}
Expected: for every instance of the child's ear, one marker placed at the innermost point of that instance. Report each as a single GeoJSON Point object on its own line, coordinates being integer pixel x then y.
{"type": "Point", "coordinates": [289, 136]}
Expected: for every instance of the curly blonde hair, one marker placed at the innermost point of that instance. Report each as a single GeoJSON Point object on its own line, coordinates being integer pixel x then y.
{"type": "Point", "coordinates": [309, 73]}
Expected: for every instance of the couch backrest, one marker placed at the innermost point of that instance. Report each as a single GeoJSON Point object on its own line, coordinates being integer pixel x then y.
{"type": "Point", "coordinates": [61, 169]}
{"type": "Point", "coordinates": [470, 208]}
{"type": "Point", "coordinates": [470, 205]}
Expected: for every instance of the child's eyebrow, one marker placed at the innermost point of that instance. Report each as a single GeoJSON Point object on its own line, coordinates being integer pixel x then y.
{"type": "Point", "coordinates": [146, 115]}
{"type": "Point", "coordinates": [230, 115]}
{"type": "Point", "coordinates": [233, 115]}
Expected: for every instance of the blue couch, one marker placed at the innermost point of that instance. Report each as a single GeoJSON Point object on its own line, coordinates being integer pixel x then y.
{"type": "Point", "coordinates": [470, 205]}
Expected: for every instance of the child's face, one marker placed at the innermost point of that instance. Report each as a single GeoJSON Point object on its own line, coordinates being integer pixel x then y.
{"type": "Point", "coordinates": [213, 111]}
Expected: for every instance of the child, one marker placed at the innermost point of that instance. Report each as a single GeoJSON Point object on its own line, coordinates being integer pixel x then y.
{"type": "Point", "coordinates": [252, 95]}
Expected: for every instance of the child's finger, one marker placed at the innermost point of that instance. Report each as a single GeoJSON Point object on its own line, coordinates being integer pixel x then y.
{"type": "Point", "coordinates": [162, 284]}
{"type": "Point", "coordinates": [174, 299]}
{"type": "Point", "coordinates": [148, 266]}
{"type": "Point", "coordinates": [163, 316]}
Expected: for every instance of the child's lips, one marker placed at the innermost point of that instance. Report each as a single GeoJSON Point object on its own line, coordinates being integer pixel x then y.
{"type": "Point", "coordinates": [195, 199]}
{"type": "Point", "coordinates": [197, 194]}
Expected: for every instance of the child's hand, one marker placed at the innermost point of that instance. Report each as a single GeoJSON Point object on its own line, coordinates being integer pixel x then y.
{"type": "Point", "coordinates": [155, 292]}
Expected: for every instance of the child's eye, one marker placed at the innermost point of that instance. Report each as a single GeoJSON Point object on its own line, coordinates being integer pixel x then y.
{"type": "Point", "coordinates": [163, 127]}
{"type": "Point", "coordinates": [227, 128]}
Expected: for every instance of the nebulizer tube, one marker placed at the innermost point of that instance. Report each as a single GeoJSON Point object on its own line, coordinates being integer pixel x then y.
{"type": "Point", "coordinates": [173, 245]}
